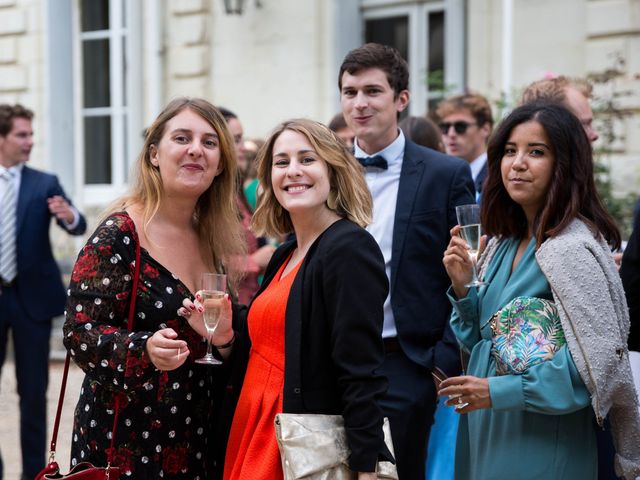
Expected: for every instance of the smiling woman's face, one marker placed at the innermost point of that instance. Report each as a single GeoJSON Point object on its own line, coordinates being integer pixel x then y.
{"type": "Point", "coordinates": [299, 177]}
{"type": "Point", "coordinates": [188, 155]}
{"type": "Point", "coordinates": [527, 167]}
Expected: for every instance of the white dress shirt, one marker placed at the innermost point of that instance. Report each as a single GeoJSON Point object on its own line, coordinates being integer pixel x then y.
{"type": "Point", "coordinates": [383, 185]}
{"type": "Point", "coordinates": [16, 171]}
{"type": "Point", "coordinates": [477, 164]}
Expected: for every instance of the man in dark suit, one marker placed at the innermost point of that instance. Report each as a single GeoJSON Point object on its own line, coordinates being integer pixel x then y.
{"type": "Point", "coordinates": [466, 123]}
{"type": "Point", "coordinates": [415, 191]}
{"type": "Point", "coordinates": [32, 292]}
{"type": "Point", "coordinates": [630, 273]}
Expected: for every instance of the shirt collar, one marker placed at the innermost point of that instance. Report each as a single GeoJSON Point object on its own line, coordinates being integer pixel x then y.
{"type": "Point", "coordinates": [391, 153]}
{"type": "Point", "coordinates": [477, 164]}
{"type": "Point", "coordinates": [15, 170]}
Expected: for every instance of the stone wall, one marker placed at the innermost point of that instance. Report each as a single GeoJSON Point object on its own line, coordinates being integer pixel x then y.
{"type": "Point", "coordinates": [22, 64]}
{"type": "Point", "coordinates": [613, 31]}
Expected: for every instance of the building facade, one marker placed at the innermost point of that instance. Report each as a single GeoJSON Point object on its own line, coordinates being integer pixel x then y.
{"type": "Point", "coordinates": [96, 72]}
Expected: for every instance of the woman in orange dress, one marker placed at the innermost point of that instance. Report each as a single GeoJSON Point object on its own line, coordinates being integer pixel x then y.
{"type": "Point", "coordinates": [312, 340]}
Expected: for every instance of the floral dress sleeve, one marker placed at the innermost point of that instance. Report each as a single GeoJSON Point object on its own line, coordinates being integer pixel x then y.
{"type": "Point", "coordinates": [95, 330]}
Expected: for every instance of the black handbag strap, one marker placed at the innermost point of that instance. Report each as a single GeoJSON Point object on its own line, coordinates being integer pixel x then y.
{"type": "Point", "coordinates": [65, 374]}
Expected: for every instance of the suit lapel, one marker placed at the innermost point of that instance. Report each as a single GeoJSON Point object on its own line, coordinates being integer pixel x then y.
{"type": "Point", "coordinates": [25, 195]}
{"type": "Point", "coordinates": [480, 178]}
{"type": "Point", "coordinates": [410, 179]}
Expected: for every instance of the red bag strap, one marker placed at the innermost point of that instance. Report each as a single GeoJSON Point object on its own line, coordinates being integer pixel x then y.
{"type": "Point", "coordinates": [65, 374]}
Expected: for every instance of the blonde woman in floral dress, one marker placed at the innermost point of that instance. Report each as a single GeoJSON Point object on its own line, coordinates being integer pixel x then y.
{"type": "Point", "coordinates": [183, 214]}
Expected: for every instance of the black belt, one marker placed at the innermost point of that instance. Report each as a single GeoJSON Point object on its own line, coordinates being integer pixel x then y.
{"type": "Point", "coordinates": [391, 345]}
{"type": "Point", "coordinates": [5, 284]}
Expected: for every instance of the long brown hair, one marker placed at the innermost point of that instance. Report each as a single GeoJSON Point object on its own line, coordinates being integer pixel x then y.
{"type": "Point", "coordinates": [215, 217]}
{"type": "Point", "coordinates": [572, 193]}
{"type": "Point", "coordinates": [349, 195]}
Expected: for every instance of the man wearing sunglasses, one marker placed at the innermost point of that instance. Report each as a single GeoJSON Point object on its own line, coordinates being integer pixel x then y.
{"type": "Point", "coordinates": [466, 123]}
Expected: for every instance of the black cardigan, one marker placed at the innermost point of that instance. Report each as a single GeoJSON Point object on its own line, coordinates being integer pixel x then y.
{"type": "Point", "coordinates": [333, 340]}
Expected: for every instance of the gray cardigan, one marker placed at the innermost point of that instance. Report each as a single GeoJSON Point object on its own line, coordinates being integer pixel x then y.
{"type": "Point", "coordinates": [591, 304]}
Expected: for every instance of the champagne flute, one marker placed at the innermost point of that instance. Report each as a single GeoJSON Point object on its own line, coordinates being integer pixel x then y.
{"type": "Point", "coordinates": [470, 231]}
{"type": "Point", "coordinates": [214, 286]}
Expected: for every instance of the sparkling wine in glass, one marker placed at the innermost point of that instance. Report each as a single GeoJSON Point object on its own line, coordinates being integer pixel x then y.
{"type": "Point", "coordinates": [470, 231]}
{"type": "Point", "coordinates": [214, 286]}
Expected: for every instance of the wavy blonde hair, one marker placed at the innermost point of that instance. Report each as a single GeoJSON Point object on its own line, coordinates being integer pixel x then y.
{"type": "Point", "coordinates": [349, 196]}
{"type": "Point", "coordinates": [215, 218]}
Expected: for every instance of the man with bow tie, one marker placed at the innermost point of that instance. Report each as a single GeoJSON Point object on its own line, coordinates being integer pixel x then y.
{"type": "Point", "coordinates": [415, 191]}
{"type": "Point", "coordinates": [31, 286]}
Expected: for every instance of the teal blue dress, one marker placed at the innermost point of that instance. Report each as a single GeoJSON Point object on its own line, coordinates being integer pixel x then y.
{"type": "Point", "coordinates": [540, 423]}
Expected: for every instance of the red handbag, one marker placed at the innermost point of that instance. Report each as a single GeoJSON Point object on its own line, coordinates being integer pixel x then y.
{"type": "Point", "coordinates": [86, 470]}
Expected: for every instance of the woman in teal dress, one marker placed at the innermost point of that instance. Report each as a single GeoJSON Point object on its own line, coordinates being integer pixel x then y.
{"type": "Point", "coordinates": [550, 239]}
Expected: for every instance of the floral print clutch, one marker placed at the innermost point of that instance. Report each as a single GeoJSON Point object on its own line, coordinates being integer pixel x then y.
{"type": "Point", "coordinates": [525, 332]}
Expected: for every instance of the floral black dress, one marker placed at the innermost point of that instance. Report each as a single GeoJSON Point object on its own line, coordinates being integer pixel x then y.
{"type": "Point", "coordinates": [164, 417]}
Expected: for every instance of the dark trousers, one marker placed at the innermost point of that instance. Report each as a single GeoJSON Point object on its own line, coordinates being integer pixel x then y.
{"type": "Point", "coordinates": [606, 451]}
{"type": "Point", "coordinates": [409, 403]}
{"type": "Point", "coordinates": [31, 352]}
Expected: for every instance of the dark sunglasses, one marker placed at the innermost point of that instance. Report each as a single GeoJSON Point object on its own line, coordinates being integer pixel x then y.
{"type": "Point", "coordinates": [460, 127]}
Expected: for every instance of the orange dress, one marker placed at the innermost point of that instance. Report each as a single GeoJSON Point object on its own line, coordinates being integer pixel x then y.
{"type": "Point", "coordinates": [252, 450]}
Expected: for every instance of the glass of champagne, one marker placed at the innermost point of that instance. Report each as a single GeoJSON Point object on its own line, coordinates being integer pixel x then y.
{"type": "Point", "coordinates": [214, 287]}
{"type": "Point", "coordinates": [470, 231]}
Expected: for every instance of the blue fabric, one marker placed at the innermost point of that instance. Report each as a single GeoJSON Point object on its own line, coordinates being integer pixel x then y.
{"type": "Point", "coordinates": [442, 443]}
{"type": "Point", "coordinates": [540, 423]}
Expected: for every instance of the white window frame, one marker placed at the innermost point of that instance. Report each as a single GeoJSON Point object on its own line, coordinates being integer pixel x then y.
{"type": "Point", "coordinates": [417, 13]}
{"type": "Point", "coordinates": [126, 125]}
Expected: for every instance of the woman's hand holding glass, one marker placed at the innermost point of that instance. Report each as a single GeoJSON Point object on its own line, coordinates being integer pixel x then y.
{"type": "Point", "coordinates": [466, 393]}
{"type": "Point", "coordinates": [165, 351]}
{"type": "Point", "coordinates": [470, 230]}
{"type": "Point", "coordinates": [193, 311]}
{"type": "Point", "coordinates": [458, 263]}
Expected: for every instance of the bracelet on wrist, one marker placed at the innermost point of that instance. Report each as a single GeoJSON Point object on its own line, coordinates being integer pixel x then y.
{"type": "Point", "coordinates": [228, 344]}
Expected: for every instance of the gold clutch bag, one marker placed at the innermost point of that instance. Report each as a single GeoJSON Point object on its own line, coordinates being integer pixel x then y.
{"type": "Point", "coordinates": [314, 447]}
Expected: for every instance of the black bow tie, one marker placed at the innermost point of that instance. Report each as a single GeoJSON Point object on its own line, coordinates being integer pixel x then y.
{"type": "Point", "coordinates": [375, 161]}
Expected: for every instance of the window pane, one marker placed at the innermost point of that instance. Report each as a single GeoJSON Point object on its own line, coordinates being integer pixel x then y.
{"type": "Point", "coordinates": [94, 15]}
{"type": "Point", "coordinates": [125, 73]}
{"type": "Point", "coordinates": [96, 72]}
{"type": "Point", "coordinates": [97, 150]}
{"type": "Point", "coordinates": [392, 31]}
{"type": "Point", "coordinates": [435, 61]}
{"type": "Point", "coordinates": [127, 161]}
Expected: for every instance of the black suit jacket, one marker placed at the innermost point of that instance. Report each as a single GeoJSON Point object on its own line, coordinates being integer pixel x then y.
{"type": "Point", "coordinates": [480, 178]}
{"type": "Point", "coordinates": [630, 273]}
{"type": "Point", "coordinates": [431, 186]}
{"type": "Point", "coordinates": [333, 345]}
{"type": "Point", "coordinates": [37, 268]}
